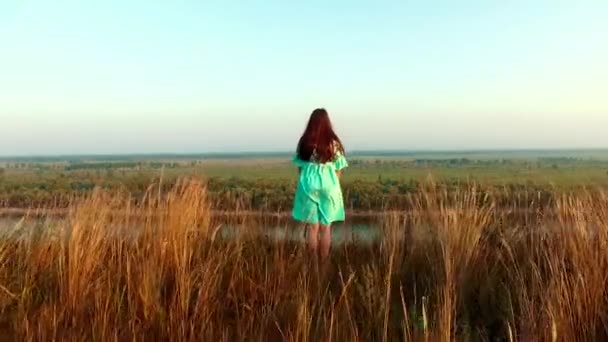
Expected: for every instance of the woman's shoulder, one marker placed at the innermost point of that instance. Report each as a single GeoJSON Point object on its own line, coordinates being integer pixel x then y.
{"type": "Point", "coordinates": [304, 163]}
{"type": "Point", "coordinates": [299, 162]}
{"type": "Point", "coordinates": [337, 148]}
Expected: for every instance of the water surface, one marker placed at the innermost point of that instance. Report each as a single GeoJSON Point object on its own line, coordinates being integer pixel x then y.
{"type": "Point", "coordinates": [360, 233]}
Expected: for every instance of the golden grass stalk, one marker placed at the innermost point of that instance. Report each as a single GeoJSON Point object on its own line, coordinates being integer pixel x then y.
{"type": "Point", "coordinates": [452, 268]}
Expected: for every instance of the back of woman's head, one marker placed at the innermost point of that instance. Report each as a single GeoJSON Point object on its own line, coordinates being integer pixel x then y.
{"type": "Point", "coordinates": [319, 143]}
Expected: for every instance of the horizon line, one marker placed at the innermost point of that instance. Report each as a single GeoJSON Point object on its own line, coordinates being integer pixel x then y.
{"type": "Point", "coordinates": [285, 152]}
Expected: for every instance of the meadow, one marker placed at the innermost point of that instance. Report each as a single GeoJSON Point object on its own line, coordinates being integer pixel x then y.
{"type": "Point", "coordinates": [477, 249]}
{"type": "Point", "coordinates": [266, 182]}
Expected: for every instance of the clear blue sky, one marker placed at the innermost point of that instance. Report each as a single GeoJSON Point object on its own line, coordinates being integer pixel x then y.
{"type": "Point", "coordinates": [111, 76]}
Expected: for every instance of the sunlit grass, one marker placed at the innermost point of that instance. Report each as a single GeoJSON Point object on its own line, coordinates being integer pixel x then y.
{"type": "Point", "coordinates": [453, 267]}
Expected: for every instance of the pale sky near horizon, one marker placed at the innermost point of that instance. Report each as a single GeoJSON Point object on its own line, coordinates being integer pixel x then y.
{"type": "Point", "coordinates": [112, 76]}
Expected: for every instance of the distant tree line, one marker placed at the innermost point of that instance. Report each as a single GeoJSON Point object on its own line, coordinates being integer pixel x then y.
{"type": "Point", "coordinates": [262, 194]}
{"type": "Point", "coordinates": [34, 184]}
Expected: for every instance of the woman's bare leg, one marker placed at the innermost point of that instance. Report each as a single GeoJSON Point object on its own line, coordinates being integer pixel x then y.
{"type": "Point", "coordinates": [313, 237]}
{"type": "Point", "coordinates": [325, 240]}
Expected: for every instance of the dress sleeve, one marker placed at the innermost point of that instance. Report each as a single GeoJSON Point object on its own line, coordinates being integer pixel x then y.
{"type": "Point", "coordinates": [340, 162]}
{"type": "Point", "coordinates": [298, 162]}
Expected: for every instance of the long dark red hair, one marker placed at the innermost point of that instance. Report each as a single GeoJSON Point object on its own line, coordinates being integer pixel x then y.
{"type": "Point", "coordinates": [319, 143]}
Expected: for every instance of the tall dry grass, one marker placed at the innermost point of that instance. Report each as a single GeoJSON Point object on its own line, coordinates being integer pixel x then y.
{"type": "Point", "coordinates": [453, 268]}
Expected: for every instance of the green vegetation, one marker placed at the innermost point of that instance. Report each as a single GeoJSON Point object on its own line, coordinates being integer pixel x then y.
{"type": "Point", "coordinates": [266, 182]}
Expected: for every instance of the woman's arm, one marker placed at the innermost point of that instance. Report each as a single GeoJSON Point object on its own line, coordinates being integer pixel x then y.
{"type": "Point", "coordinates": [339, 173]}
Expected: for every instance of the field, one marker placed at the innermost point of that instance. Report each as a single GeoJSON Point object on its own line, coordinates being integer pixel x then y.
{"type": "Point", "coordinates": [475, 246]}
{"type": "Point", "coordinates": [266, 182]}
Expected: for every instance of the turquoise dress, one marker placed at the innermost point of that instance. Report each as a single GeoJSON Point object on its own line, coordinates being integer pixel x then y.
{"type": "Point", "coordinates": [318, 196]}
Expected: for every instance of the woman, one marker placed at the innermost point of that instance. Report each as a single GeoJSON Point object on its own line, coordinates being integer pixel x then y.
{"type": "Point", "coordinates": [318, 200]}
